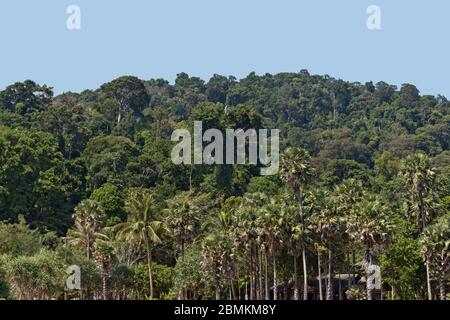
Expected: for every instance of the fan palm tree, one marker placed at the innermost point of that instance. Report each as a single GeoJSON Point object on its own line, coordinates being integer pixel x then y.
{"type": "Point", "coordinates": [296, 234]}
{"type": "Point", "coordinates": [329, 228]}
{"type": "Point", "coordinates": [419, 176]}
{"type": "Point", "coordinates": [295, 172]}
{"type": "Point", "coordinates": [184, 215]}
{"type": "Point", "coordinates": [245, 232]}
{"type": "Point", "coordinates": [88, 218]}
{"type": "Point", "coordinates": [435, 243]}
{"type": "Point", "coordinates": [143, 225]}
{"type": "Point", "coordinates": [104, 255]}
{"type": "Point", "coordinates": [217, 249]}
{"type": "Point", "coordinates": [269, 228]}
{"type": "Point", "coordinates": [370, 223]}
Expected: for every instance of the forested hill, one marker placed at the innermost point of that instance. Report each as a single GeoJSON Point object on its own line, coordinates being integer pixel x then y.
{"type": "Point", "coordinates": [58, 150]}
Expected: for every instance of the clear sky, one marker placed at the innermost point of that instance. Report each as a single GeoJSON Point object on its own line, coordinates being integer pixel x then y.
{"type": "Point", "coordinates": [160, 38]}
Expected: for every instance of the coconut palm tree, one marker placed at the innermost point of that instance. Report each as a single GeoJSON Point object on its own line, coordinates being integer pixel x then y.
{"type": "Point", "coordinates": [435, 244]}
{"type": "Point", "coordinates": [419, 176]}
{"type": "Point", "coordinates": [295, 172]}
{"type": "Point", "coordinates": [144, 225]}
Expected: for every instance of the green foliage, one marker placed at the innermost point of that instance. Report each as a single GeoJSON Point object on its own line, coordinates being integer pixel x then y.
{"type": "Point", "coordinates": [403, 268]}
{"type": "Point", "coordinates": [91, 175]}
{"type": "Point", "coordinates": [111, 200]}
{"type": "Point", "coordinates": [18, 239]}
{"type": "Point", "coordinates": [39, 276]}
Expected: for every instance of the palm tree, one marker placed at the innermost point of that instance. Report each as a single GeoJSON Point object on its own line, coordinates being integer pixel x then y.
{"type": "Point", "coordinates": [419, 176]}
{"type": "Point", "coordinates": [143, 225]}
{"type": "Point", "coordinates": [104, 254]}
{"type": "Point", "coordinates": [295, 172]}
{"type": "Point", "coordinates": [183, 216]}
{"type": "Point", "coordinates": [435, 243]}
{"type": "Point", "coordinates": [223, 223]}
{"type": "Point", "coordinates": [269, 224]}
{"type": "Point", "coordinates": [369, 223]}
{"type": "Point", "coordinates": [329, 229]}
{"type": "Point", "coordinates": [245, 233]}
{"type": "Point", "coordinates": [217, 249]}
{"type": "Point", "coordinates": [88, 218]}
{"type": "Point", "coordinates": [296, 234]}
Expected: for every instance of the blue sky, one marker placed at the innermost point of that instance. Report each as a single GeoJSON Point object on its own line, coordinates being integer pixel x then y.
{"type": "Point", "coordinates": [158, 39]}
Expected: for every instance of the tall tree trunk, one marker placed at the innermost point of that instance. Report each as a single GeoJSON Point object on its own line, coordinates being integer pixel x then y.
{"type": "Point", "coordinates": [183, 290]}
{"type": "Point", "coordinates": [238, 285]}
{"type": "Point", "coordinates": [319, 268]}
{"type": "Point", "coordinates": [422, 225]}
{"type": "Point", "coordinates": [88, 254]}
{"type": "Point", "coordinates": [340, 288]}
{"type": "Point", "coordinates": [369, 287]}
{"type": "Point", "coordinates": [429, 293]}
{"type": "Point", "coordinates": [330, 276]}
{"type": "Point", "coordinates": [442, 293]}
{"type": "Point", "coordinates": [296, 289]}
{"type": "Point", "coordinates": [104, 286]}
{"type": "Point", "coordinates": [149, 264]}
{"type": "Point", "coordinates": [266, 275]}
{"type": "Point", "coordinates": [259, 273]}
{"type": "Point", "coordinates": [275, 281]}
{"type": "Point", "coordinates": [217, 281]}
{"type": "Point", "coordinates": [305, 271]}
{"type": "Point", "coordinates": [252, 296]}
{"type": "Point", "coordinates": [305, 275]}
{"type": "Point", "coordinates": [233, 290]}
{"type": "Point", "coordinates": [285, 289]}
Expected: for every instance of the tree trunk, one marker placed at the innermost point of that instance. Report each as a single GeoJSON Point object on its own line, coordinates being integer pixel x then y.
{"type": "Point", "coordinates": [275, 282]}
{"type": "Point", "coordinates": [296, 290]}
{"type": "Point", "coordinates": [252, 296]}
{"type": "Point", "coordinates": [266, 276]}
{"type": "Point", "coordinates": [233, 290]}
{"type": "Point", "coordinates": [260, 274]}
{"type": "Point", "coordinates": [104, 288]}
{"type": "Point", "coordinates": [305, 271]}
{"type": "Point", "coordinates": [442, 293]}
{"type": "Point", "coordinates": [238, 285]}
{"type": "Point", "coordinates": [369, 287]}
{"type": "Point", "coordinates": [217, 282]}
{"type": "Point", "coordinates": [427, 265]}
{"type": "Point", "coordinates": [319, 268]}
{"type": "Point", "coordinates": [422, 225]}
{"type": "Point", "coordinates": [330, 276]}
{"type": "Point", "coordinates": [305, 275]}
{"type": "Point", "coordinates": [149, 264]}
